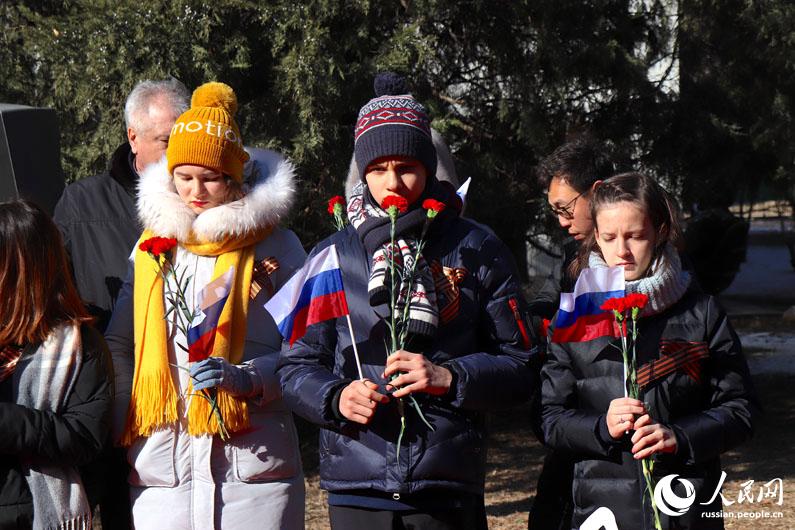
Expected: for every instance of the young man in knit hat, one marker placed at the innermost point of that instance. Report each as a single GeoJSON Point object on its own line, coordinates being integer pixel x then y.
{"type": "Point", "coordinates": [445, 167]}
{"type": "Point", "coordinates": [470, 350]}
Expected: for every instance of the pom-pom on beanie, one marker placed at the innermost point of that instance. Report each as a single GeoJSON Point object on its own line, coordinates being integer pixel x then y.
{"type": "Point", "coordinates": [393, 124]}
{"type": "Point", "coordinates": [207, 135]}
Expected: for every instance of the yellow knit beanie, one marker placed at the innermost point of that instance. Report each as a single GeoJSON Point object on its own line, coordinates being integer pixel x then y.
{"type": "Point", "coordinates": [207, 135]}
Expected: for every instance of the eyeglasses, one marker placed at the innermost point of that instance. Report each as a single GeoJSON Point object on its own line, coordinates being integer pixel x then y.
{"type": "Point", "coordinates": [567, 210]}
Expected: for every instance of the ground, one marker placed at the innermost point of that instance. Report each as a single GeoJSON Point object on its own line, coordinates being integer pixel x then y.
{"type": "Point", "coordinates": [515, 456]}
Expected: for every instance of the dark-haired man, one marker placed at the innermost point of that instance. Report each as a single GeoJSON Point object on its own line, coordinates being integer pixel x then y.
{"type": "Point", "coordinates": [569, 175]}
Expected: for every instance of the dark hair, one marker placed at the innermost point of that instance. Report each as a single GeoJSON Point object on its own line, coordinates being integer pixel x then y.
{"type": "Point", "coordinates": [36, 289]}
{"type": "Point", "coordinates": [649, 196]}
{"type": "Point", "coordinates": [579, 163]}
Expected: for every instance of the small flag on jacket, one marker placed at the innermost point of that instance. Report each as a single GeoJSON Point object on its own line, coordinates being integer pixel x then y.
{"type": "Point", "coordinates": [314, 294]}
{"type": "Point", "coordinates": [211, 301]}
{"type": "Point", "coordinates": [580, 317]}
{"type": "Point", "coordinates": [463, 190]}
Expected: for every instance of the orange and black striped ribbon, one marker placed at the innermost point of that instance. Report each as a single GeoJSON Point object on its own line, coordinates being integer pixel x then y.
{"type": "Point", "coordinates": [674, 356]}
{"type": "Point", "coordinates": [261, 276]}
{"type": "Point", "coordinates": [447, 280]}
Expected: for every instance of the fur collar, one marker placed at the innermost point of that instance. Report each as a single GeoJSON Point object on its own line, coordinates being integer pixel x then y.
{"type": "Point", "coordinates": [269, 177]}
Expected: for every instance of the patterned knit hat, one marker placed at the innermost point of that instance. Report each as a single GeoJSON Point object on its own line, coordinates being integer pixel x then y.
{"type": "Point", "coordinates": [393, 123]}
{"type": "Point", "coordinates": [207, 135]}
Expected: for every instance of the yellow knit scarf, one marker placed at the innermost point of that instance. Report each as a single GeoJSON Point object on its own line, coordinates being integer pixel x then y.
{"type": "Point", "coordinates": [154, 401]}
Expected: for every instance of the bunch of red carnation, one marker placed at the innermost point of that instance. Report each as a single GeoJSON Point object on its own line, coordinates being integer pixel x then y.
{"type": "Point", "coordinates": [622, 304]}
{"type": "Point", "coordinates": [158, 245]}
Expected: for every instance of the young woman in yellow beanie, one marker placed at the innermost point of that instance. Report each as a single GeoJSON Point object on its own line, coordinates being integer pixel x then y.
{"type": "Point", "coordinates": [221, 210]}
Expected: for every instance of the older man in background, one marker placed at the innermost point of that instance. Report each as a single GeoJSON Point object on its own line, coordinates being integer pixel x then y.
{"type": "Point", "coordinates": [97, 215]}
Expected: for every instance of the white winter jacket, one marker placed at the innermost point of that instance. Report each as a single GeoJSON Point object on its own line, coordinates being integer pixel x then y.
{"type": "Point", "coordinates": [194, 466]}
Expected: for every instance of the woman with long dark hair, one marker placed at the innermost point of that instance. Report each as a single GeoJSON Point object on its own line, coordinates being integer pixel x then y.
{"type": "Point", "coordinates": [55, 393]}
{"type": "Point", "coordinates": [696, 397]}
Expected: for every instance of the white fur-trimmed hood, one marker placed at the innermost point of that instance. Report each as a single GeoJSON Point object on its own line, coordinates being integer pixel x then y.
{"type": "Point", "coordinates": [271, 190]}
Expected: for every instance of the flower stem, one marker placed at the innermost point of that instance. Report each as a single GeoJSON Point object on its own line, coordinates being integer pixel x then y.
{"type": "Point", "coordinates": [650, 491]}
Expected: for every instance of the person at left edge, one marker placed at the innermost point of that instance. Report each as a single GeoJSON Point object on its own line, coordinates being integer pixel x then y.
{"type": "Point", "coordinates": [184, 475]}
{"type": "Point", "coordinates": [55, 380]}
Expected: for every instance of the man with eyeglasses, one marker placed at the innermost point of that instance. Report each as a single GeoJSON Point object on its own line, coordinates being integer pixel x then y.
{"type": "Point", "coordinates": [569, 175]}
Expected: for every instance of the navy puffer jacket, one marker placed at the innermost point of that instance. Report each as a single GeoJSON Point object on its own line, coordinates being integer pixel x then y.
{"type": "Point", "coordinates": [697, 384]}
{"type": "Point", "coordinates": [486, 345]}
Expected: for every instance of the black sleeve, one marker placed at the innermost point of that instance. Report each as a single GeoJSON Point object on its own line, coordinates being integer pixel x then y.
{"type": "Point", "coordinates": [75, 435]}
{"type": "Point", "coordinates": [546, 300]}
{"type": "Point", "coordinates": [565, 425]}
{"type": "Point", "coordinates": [729, 420]}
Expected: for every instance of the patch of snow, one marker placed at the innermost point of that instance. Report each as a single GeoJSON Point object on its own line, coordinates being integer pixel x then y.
{"type": "Point", "coordinates": [769, 352]}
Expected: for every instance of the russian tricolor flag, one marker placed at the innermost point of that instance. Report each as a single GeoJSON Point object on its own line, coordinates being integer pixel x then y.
{"type": "Point", "coordinates": [212, 298]}
{"type": "Point", "coordinates": [580, 317]}
{"type": "Point", "coordinates": [312, 295]}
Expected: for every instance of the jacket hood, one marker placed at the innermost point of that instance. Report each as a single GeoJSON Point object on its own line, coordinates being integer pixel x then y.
{"type": "Point", "coordinates": [269, 184]}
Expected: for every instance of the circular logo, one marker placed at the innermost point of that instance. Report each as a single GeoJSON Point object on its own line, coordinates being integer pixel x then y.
{"type": "Point", "coordinates": [669, 502]}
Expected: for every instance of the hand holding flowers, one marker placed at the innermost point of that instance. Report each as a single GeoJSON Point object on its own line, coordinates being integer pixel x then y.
{"type": "Point", "coordinates": [621, 415]}
{"type": "Point", "coordinates": [217, 372]}
{"type": "Point", "coordinates": [413, 372]}
{"type": "Point", "coordinates": [650, 437]}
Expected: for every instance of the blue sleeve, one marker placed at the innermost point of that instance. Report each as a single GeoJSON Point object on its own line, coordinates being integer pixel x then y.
{"type": "Point", "coordinates": [503, 373]}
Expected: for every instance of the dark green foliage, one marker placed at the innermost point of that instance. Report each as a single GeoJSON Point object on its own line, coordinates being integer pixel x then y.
{"type": "Point", "coordinates": [506, 81]}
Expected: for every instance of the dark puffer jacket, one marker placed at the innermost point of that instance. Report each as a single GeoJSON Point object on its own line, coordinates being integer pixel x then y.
{"type": "Point", "coordinates": [99, 224]}
{"type": "Point", "coordinates": [72, 437]}
{"type": "Point", "coordinates": [708, 403]}
{"type": "Point", "coordinates": [485, 345]}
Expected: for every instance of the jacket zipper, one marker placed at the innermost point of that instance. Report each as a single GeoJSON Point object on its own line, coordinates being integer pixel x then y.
{"type": "Point", "coordinates": [519, 322]}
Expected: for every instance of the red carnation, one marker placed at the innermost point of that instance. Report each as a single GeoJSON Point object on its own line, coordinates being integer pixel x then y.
{"type": "Point", "coordinates": [433, 207]}
{"type": "Point", "coordinates": [158, 245]}
{"type": "Point", "coordinates": [637, 300]}
{"type": "Point", "coordinates": [545, 327]}
{"type": "Point", "coordinates": [334, 201]}
{"type": "Point", "coordinates": [615, 304]}
{"type": "Point", "coordinates": [433, 204]}
{"type": "Point", "coordinates": [397, 201]}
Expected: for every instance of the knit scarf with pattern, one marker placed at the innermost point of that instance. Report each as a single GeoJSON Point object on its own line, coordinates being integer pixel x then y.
{"type": "Point", "coordinates": [44, 381]}
{"type": "Point", "coordinates": [665, 284]}
{"type": "Point", "coordinates": [373, 227]}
